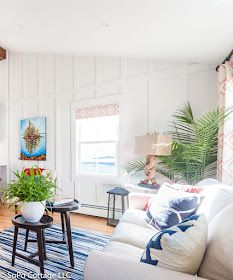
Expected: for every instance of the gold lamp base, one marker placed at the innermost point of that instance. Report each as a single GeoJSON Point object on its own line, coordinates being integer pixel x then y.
{"type": "Point", "coordinates": [150, 171]}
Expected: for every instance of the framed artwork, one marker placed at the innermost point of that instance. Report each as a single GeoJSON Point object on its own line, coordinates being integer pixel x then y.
{"type": "Point", "coordinates": [33, 139]}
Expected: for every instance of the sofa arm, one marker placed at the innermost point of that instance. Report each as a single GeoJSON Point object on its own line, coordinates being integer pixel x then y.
{"type": "Point", "coordinates": [104, 266]}
{"type": "Point", "coordinates": [139, 200]}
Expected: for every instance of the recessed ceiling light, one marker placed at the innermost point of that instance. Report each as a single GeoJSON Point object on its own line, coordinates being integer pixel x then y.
{"type": "Point", "coordinates": [104, 24]}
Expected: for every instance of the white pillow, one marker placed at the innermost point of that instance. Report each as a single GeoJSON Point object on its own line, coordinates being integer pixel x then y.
{"type": "Point", "coordinates": [218, 261]}
{"type": "Point", "coordinates": [167, 192]}
{"type": "Point", "coordinates": [179, 248]}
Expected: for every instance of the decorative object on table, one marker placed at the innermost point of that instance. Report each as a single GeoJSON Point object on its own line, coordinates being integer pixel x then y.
{"type": "Point", "coordinates": [179, 248]}
{"type": "Point", "coordinates": [64, 211]}
{"type": "Point", "coordinates": [152, 145]}
{"type": "Point", "coordinates": [194, 147]}
{"type": "Point", "coordinates": [117, 191]}
{"type": "Point", "coordinates": [19, 222]}
{"type": "Point", "coordinates": [59, 200]}
{"type": "Point", "coordinates": [83, 243]}
{"type": "Point", "coordinates": [30, 190]}
{"type": "Point", "coordinates": [33, 139]}
{"type": "Point", "coordinates": [135, 188]}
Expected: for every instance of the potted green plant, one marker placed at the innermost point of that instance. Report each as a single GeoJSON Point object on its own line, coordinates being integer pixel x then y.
{"type": "Point", "coordinates": [30, 190]}
{"type": "Point", "coordinates": [194, 147]}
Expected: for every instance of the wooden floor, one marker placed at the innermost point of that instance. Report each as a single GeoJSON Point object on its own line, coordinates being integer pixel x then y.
{"type": "Point", "coordinates": [77, 221]}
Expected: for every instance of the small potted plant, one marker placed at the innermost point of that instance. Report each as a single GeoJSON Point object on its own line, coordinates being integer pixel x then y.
{"type": "Point", "coordinates": [30, 190]}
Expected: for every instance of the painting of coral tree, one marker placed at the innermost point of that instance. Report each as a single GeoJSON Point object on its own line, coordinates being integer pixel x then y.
{"type": "Point", "coordinates": [33, 139]}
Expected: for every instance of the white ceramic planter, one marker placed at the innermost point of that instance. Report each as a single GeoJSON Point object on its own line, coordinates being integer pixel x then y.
{"type": "Point", "coordinates": [33, 211]}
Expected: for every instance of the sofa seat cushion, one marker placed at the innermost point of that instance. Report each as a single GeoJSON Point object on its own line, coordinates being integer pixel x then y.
{"type": "Point", "coordinates": [124, 250]}
{"type": "Point", "coordinates": [133, 234]}
{"type": "Point", "coordinates": [136, 217]}
{"type": "Point", "coordinates": [218, 260]}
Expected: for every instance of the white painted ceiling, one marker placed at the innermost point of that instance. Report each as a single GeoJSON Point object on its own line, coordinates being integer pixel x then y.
{"type": "Point", "coordinates": [187, 30]}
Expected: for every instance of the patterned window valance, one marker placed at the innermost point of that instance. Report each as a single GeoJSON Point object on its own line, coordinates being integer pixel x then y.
{"type": "Point", "coordinates": [97, 111]}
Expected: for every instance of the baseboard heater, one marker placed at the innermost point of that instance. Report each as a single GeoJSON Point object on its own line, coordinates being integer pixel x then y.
{"type": "Point", "coordinates": [100, 207]}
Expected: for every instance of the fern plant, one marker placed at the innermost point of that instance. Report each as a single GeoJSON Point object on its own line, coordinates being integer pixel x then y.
{"type": "Point", "coordinates": [29, 186]}
{"type": "Point", "coordinates": [194, 147]}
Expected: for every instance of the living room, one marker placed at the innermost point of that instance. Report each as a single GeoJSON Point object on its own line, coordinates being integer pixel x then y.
{"type": "Point", "coordinates": [93, 94]}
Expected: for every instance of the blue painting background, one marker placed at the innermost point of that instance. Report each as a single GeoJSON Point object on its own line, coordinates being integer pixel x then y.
{"type": "Point", "coordinates": [40, 123]}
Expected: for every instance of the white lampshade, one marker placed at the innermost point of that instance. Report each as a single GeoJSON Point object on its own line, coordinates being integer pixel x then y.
{"type": "Point", "coordinates": [156, 144]}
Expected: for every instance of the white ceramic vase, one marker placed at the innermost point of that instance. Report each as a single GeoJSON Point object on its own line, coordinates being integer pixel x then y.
{"type": "Point", "coordinates": [33, 211]}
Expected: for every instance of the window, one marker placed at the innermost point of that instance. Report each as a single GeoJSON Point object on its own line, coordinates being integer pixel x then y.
{"type": "Point", "coordinates": [97, 139]}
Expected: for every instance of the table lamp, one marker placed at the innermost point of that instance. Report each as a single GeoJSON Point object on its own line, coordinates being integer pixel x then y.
{"type": "Point", "coordinates": [152, 146]}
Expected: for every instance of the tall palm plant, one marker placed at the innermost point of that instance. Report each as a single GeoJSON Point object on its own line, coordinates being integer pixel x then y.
{"type": "Point", "coordinates": [194, 147]}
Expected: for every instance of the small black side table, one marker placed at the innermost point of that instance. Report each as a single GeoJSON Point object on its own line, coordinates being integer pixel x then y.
{"type": "Point", "coordinates": [114, 192]}
{"type": "Point", "coordinates": [19, 222]}
{"type": "Point", "coordinates": [64, 210]}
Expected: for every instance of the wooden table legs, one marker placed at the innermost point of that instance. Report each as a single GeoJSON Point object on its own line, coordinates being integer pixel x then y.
{"type": "Point", "coordinates": [69, 237]}
{"type": "Point", "coordinates": [66, 237]}
{"type": "Point", "coordinates": [41, 249]}
{"type": "Point", "coordinates": [26, 240]}
{"type": "Point", "coordinates": [14, 246]}
{"type": "Point", "coordinates": [63, 227]}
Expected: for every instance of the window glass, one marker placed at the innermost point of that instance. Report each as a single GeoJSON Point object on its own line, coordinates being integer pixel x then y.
{"type": "Point", "coordinates": [98, 158]}
{"type": "Point", "coordinates": [97, 140]}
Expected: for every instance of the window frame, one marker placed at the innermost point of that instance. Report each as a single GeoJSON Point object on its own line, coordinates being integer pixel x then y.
{"type": "Point", "coordinates": [78, 156]}
{"type": "Point", "coordinates": [75, 142]}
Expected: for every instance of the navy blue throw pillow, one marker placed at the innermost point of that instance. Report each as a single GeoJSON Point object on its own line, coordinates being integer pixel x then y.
{"type": "Point", "coordinates": [166, 218]}
{"type": "Point", "coordinates": [174, 211]}
{"type": "Point", "coordinates": [186, 206]}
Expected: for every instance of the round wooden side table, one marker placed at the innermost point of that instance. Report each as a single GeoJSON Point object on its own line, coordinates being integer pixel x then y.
{"type": "Point", "coordinates": [19, 222]}
{"type": "Point", "coordinates": [64, 211]}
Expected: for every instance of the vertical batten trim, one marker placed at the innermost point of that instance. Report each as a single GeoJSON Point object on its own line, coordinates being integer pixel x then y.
{"type": "Point", "coordinates": [58, 136]}
{"type": "Point", "coordinates": [148, 107]}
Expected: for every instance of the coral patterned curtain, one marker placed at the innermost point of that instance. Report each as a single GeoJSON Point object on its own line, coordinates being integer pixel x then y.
{"type": "Point", "coordinates": [97, 111]}
{"type": "Point", "coordinates": [225, 148]}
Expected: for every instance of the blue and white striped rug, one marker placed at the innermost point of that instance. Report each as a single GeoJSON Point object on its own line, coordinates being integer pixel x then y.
{"type": "Point", "coordinates": [58, 264]}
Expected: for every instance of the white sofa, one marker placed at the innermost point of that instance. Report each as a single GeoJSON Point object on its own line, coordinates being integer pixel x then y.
{"type": "Point", "coordinates": [120, 260]}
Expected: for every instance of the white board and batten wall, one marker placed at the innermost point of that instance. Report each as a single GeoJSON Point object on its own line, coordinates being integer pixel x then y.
{"type": "Point", "coordinates": [51, 85]}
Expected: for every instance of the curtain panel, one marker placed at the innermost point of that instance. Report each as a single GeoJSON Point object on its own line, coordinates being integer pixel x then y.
{"type": "Point", "coordinates": [225, 143]}
{"type": "Point", "coordinates": [97, 111]}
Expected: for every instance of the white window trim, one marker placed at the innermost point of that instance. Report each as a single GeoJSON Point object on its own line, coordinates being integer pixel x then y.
{"type": "Point", "coordinates": [75, 174]}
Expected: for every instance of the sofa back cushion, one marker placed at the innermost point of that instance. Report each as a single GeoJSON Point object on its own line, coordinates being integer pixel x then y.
{"type": "Point", "coordinates": [218, 260]}
{"type": "Point", "coordinates": [207, 182]}
{"type": "Point", "coordinates": [216, 197]}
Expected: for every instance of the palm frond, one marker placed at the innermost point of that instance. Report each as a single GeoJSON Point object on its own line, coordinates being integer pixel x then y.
{"type": "Point", "coordinates": [185, 114]}
{"type": "Point", "coordinates": [135, 166]}
{"type": "Point", "coordinates": [194, 147]}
